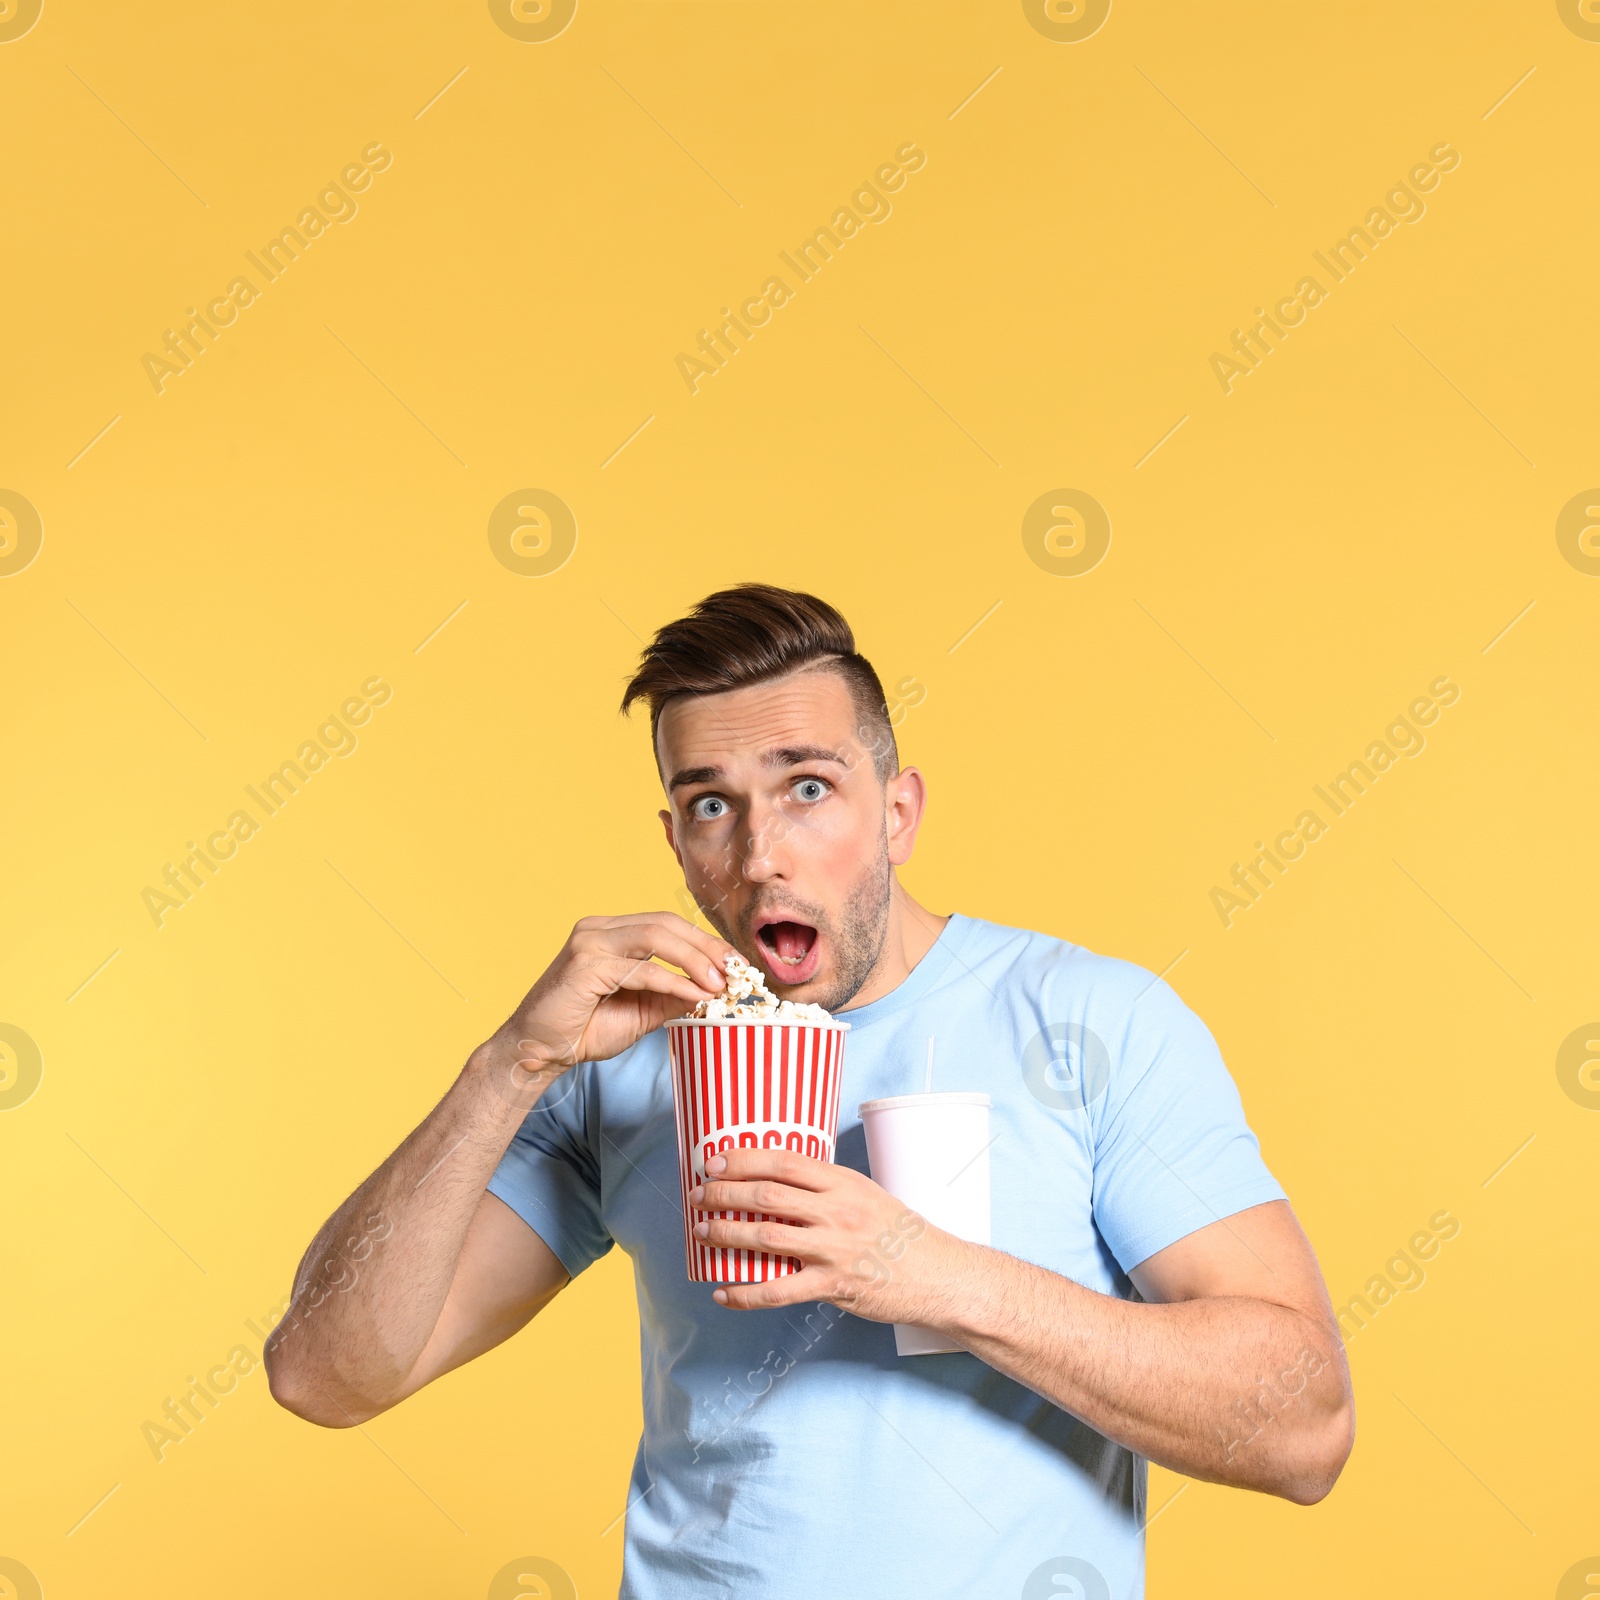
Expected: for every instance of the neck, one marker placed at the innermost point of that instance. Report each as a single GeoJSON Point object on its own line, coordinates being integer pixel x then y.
{"type": "Point", "coordinates": [911, 935]}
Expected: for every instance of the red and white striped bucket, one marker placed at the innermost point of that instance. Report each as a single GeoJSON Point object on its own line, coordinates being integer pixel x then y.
{"type": "Point", "coordinates": [750, 1085]}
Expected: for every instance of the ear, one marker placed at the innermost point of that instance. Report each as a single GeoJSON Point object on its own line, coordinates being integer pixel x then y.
{"type": "Point", "coordinates": [905, 798]}
{"type": "Point", "coordinates": [672, 838]}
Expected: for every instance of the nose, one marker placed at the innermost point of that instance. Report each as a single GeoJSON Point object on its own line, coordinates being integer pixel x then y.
{"type": "Point", "coordinates": [765, 857]}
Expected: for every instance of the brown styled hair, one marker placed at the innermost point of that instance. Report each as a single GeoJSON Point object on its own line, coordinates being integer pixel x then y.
{"type": "Point", "coordinates": [753, 633]}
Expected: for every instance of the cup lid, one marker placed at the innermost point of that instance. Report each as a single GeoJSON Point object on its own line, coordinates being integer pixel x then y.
{"type": "Point", "coordinates": [959, 1097]}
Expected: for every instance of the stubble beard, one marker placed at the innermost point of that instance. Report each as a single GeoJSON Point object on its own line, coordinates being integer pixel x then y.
{"type": "Point", "coordinates": [862, 933]}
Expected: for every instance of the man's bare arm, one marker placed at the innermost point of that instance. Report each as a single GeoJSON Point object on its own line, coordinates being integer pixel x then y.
{"type": "Point", "coordinates": [421, 1268]}
{"type": "Point", "coordinates": [1233, 1371]}
{"type": "Point", "coordinates": [418, 1271]}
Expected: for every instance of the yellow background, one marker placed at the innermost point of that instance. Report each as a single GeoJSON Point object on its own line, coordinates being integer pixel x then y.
{"type": "Point", "coordinates": [303, 508]}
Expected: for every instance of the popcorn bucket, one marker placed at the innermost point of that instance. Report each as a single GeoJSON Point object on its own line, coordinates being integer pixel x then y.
{"type": "Point", "coordinates": [740, 1084]}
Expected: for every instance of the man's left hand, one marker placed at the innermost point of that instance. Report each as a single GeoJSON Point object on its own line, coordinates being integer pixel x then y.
{"type": "Point", "coordinates": [859, 1248]}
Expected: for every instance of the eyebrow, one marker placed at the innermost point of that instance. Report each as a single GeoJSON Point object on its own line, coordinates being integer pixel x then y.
{"type": "Point", "coordinates": [795, 755]}
{"type": "Point", "coordinates": [694, 775]}
{"type": "Point", "coordinates": [791, 755]}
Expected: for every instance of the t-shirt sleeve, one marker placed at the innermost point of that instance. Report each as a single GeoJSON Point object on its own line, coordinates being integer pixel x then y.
{"type": "Point", "coordinates": [550, 1176]}
{"type": "Point", "coordinates": [1172, 1149]}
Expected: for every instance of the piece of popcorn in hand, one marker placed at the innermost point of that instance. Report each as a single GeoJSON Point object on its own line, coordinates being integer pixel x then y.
{"type": "Point", "coordinates": [746, 998]}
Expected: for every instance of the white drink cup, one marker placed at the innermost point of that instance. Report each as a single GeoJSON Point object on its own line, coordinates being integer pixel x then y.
{"type": "Point", "coordinates": [932, 1152]}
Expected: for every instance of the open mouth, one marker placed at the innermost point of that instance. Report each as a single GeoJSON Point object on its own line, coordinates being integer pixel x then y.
{"type": "Point", "coordinates": [790, 948]}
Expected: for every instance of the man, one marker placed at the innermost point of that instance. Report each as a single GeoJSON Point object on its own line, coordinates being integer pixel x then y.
{"type": "Point", "coordinates": [1149, 1294]}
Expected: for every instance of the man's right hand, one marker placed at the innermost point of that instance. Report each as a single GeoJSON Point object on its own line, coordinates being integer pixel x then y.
{"type": "Point", "coordinates": [607, 988]}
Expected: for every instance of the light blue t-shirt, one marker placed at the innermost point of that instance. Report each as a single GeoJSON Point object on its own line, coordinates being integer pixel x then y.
{"type": "Point", "coordinates": [791, 1453]}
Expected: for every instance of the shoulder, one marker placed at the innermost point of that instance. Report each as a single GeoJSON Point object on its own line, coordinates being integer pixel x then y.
{"type": "Point", "coordinates": [1104, 1037]}
{"type": "Point", "coordinates": [1061, 985]}
{"type": "Point", "coordinates": [1044, 960]}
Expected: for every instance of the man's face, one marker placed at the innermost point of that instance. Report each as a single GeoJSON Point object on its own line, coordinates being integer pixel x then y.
{"type": "Point", "coordinates": [786, 835]}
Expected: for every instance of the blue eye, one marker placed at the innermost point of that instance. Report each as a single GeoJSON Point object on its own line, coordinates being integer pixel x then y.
{"type": "Point", "coordinates": [708, 808]}
{"type": "Point", "coordinates": [810, 789]}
